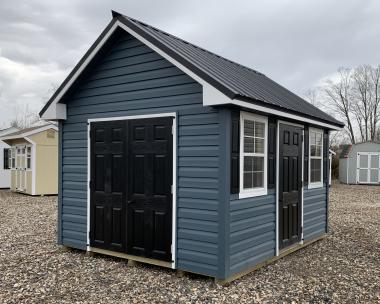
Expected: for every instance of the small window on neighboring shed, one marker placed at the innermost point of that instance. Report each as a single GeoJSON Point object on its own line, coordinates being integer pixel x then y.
{"type": "Point", "coordinates": [316, 158]}
{"type": "Point", "coordinates": [28, 157]}
{"type": "Point", "coordinates": [12, 160]}
{"type": "Point", "coordinates": [253, 155]}
{"type": "Point", "coordinates": [6, 157]}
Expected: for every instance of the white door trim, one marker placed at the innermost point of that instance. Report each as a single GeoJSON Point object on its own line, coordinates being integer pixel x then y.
{"type": "Point", "coordinates": [278, 180]}
{"type": "Point", "coordinates": [174, 187]}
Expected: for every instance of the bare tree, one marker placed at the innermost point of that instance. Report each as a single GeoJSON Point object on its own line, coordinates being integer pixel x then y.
{"type": "Point", "coordinates": [312, 95]}
{"type": "Point", "coordinates": [24, 117]}
{"type": "Point", "coordinates": [339, 97]}
{"type": "Point", "coordinates": [366, 80]}
{"type": "Point", "coordinates": [375, 106]}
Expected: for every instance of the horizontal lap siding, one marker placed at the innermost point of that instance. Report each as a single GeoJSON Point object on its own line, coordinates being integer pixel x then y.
{"type": "Point", "coordinates": [252, 231]}
{"type": "Point", "coordinates": [132, 80]}
{"type": "Point", "coordinates": [315, 213]}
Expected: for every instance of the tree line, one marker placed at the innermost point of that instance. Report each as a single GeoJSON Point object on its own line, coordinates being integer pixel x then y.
{"type": "Point", "coordinates": [353, 96]}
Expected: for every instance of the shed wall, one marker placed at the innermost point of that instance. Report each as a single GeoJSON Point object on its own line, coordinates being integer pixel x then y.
{"type": "Point", "coordinates": [132, 80]}
{"type": "Point", "coordinates": [252, 231]}
{"type": "Point", "coordinates": [315, 213]}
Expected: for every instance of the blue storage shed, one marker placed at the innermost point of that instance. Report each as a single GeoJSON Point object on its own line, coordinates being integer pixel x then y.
{"type": "Point", "coordinates": [172, 155]}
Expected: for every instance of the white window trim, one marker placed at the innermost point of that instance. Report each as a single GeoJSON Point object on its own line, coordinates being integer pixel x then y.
{"type": "Point", "coordinates": [244, 193]}
{"type": "Point", "coordinates": [315, 184]}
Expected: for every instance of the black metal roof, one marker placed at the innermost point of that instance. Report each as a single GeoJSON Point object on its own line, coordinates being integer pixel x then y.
{"type": "Point", "coordinates": [233, 79]}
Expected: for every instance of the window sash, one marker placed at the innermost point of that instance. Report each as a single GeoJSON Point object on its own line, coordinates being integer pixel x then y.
{"type": "Point", "coordinates": [255, 119]}
{"type": "Point", "coordinates": [313, 135]}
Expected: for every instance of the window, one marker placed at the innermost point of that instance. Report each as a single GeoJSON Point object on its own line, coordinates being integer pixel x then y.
{"type": "Point", "coordinates": [12, 160]}
{"type": "Point", "coordinates": [6, 157]}
{"type": "Point", "coordinates": [28, 157]}
{"type": "Point", "coordinates": [316, 158]}
{"type": "Point", "coordinates": [253, 155]}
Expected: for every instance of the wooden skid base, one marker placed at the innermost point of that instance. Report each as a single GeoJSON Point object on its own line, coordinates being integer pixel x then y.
{"type": "Point", "coordinates": [131, 258]}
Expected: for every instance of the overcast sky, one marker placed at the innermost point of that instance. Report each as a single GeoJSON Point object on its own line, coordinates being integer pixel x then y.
{"type": "Point", "coordinates": [297, 43]}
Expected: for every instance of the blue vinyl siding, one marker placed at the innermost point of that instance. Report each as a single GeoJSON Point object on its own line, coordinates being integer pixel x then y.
{"type": "Point", "coordinates": [132, 80]}
{"type": "Point", "coordinates": [252, 231]}
{"type": "Point", "coordinates": [315, 213]}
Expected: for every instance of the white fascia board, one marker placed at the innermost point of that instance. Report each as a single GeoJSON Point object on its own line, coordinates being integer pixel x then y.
{"type": "Point", "coordinates": [282, 114]}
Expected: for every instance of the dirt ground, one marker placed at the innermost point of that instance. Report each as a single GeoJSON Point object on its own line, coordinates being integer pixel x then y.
{"type": "Point", "coordinates": [342, 268]}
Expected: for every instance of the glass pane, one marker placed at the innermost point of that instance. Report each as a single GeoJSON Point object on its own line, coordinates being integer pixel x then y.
{"type": "Point", "coordinates": [363, 175]}
{"type": "Point", "coordinates": [259, 129]}
{"type": "Point", "coordinates": [318, 139]}
{"type": "Point", "coordinates": [259, 145]}
{"type": "Point", "coordinates": [248, 144]}
{"type": "Point", "coordinates": [375, 161]}
{"type": "Point", "coordinates": [363, 161]}
{"type": "Point", "coordinates": [248, 128]}
{"type": "Point", "coordinates": [315, 164]}
{"type": "Point", "coordinates": [258, 179]}
{"type": "Point", "coordinates": [313, 150]}
{"type": "Point", "coordinates": [315, 170]}
{"type": "Point", "coordinates": [258, 163]}
{"type": "Point", "coordinates": [248, 163]}
{"type": "Point", "coordinates": [374, 176]}
{"type": "Point", "coordinates": [318, 151]}
{"type": "Point", "coordinates": [247, 184]}
{"type": "Point", "coordinates": [28, 163]}
{"type": "Point", "coordinates": [312, 138]}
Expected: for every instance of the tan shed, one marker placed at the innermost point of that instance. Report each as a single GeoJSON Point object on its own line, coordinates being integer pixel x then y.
{"type": "Point", "coordinates": [33, 159]}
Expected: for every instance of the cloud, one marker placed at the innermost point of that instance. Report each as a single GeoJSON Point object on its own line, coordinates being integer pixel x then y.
{"type": "Point", "coordinates": [297, 43]}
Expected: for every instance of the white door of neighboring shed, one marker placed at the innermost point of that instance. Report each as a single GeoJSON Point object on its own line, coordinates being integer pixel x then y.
{"type": "Point", "coordinates": [368, 168]}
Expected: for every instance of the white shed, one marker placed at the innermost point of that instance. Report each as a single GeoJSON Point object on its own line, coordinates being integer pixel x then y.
{"type": "Point", "coordinates": [5, 172]}
{"type": "Point", "coordinates": [360, 164]}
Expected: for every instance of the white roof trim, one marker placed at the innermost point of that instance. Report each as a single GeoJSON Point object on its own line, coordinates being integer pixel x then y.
{"type": "Point", "coordinates": [211, 95]}
{"type": "Point", "coordinates": [32, 132]}
{"type": "Point", "coordinates": [264, 109]}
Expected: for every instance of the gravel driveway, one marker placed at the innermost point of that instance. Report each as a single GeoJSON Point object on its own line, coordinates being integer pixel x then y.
{"type": "Point", "coordinates": [342, 268]}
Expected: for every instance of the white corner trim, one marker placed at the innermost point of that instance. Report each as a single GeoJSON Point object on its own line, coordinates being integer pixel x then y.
{"type": "Point", "coordinates": [174, 186]}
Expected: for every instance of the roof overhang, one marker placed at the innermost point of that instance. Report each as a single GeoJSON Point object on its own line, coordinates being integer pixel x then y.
{"type": "Point", "coordinates": [30, 133]}
{"type": "Point", "coordinates": [212, 94]}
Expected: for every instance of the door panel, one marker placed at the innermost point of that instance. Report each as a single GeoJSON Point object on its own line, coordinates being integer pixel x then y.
{"type": "Point", "coordinates": [108, 191]}
{"type": "Point", "coordinates": [131, 178]}
{"type": "Point", "coordinates": [149, 221]}
{"type": "Point", "coordinates": [368, 171]}
{"type": "Point", "coordinates": [290, 184]}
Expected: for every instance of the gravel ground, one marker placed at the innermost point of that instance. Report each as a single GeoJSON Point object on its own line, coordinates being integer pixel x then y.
{"type": "Point", "coordinates": [342, 268]}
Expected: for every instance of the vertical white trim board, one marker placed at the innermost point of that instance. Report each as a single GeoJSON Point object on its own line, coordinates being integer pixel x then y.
{"type": "Point", "coordinates": [174, 186]}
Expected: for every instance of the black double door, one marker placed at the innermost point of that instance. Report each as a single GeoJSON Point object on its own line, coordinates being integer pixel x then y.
{"type": "Point", "coordinates": [290, 184]}
{"type": "Point", "coordinates": [131, 181]}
